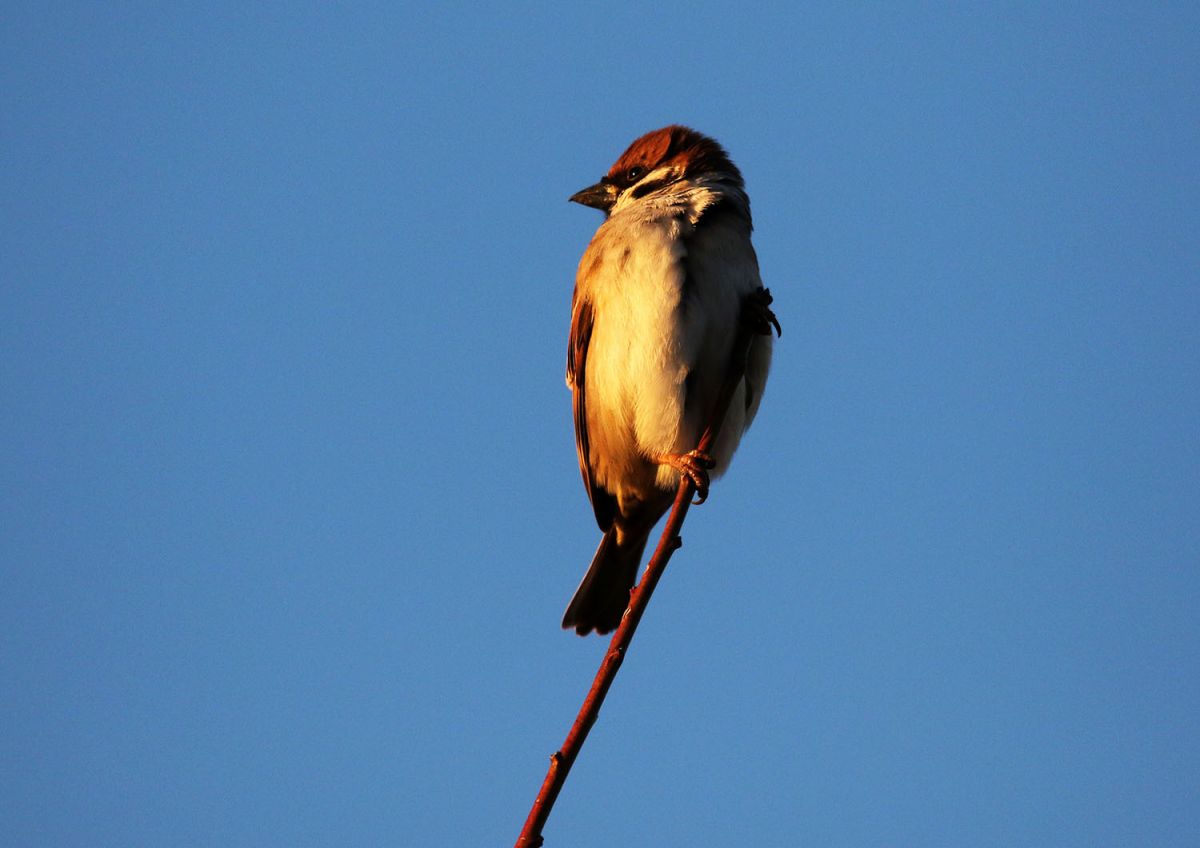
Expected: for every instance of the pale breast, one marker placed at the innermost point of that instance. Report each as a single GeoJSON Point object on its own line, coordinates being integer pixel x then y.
{"type": "Point", "coordinates": [635, 371]}
{"type": "Point", "coordinates": [667, 298]}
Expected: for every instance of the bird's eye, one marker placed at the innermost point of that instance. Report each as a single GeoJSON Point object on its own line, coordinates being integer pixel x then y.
{"type": "Point", "coordinates": [634, 173]}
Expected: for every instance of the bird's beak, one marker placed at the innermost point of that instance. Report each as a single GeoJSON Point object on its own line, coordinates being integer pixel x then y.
{"type": "Point", "coordinates": [601, 196]}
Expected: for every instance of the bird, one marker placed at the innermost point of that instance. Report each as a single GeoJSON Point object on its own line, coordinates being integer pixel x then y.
{"type": "Point", "coordinates": [657, 305]}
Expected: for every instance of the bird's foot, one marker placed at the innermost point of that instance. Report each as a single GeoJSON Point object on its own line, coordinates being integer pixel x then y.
{"type": "Point", "coordinates": [757, 312]}
{"type": "Point", "coordinates": [695, 464]}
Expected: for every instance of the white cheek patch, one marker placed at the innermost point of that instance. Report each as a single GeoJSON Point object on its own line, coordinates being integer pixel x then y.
{"type": "Point", "coordinates": [655, 181]}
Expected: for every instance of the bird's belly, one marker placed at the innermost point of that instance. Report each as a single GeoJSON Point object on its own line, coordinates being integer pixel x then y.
{"type": "Point", "coordinates": [635, 386]}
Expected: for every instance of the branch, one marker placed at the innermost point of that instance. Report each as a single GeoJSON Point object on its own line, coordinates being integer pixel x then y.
{"type": "Point", "coordinates": [755, 321]}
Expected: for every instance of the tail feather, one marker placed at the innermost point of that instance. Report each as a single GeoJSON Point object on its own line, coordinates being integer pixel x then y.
{"type": "Point", "coordinates": [603, 594]}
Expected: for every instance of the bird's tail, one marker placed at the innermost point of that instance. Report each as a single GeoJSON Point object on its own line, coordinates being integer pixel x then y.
{"type": "Point", "coordinates": [603, 594]}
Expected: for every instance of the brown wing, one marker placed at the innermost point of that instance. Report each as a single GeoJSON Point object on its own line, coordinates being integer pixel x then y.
{"type": "Point", "coordinates": [603, 503]}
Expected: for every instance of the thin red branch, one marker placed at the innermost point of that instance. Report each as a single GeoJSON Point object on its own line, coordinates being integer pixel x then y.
{"type": "Point", "coordinates": [670, 541]}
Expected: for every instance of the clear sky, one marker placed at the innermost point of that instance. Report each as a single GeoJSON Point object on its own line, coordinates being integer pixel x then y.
{"type": "Point", "coordinates": [290, 502]}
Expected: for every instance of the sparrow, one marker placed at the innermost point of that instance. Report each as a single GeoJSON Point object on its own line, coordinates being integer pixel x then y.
{"type": "Point", "coordinates": [658, 299]}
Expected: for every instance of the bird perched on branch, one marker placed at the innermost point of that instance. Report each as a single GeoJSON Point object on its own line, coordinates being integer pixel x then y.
{"type": "Point", "coordinates": [658, 299]}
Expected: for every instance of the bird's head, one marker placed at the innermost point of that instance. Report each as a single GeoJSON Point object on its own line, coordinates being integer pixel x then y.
{"type": "Point", "coordinates": [658, 161]}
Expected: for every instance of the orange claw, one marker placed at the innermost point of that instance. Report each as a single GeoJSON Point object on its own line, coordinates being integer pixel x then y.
{"type": "Point", "coordinates": [695, 464]}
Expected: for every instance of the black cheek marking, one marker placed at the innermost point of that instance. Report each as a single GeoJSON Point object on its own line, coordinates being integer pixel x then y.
{"type": "Point", "coordinates": [721, 206]}
{"type": "Point", "coordinates": [645, 188]}
{"type": "Point", "coordinates": [727, 206]}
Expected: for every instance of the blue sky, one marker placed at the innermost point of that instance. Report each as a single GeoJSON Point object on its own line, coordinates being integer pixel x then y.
{"type": "Point", "coordinates": [291, 508]}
